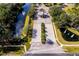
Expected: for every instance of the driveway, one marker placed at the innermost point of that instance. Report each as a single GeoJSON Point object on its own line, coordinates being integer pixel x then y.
{"type": "Point", "coordinates": [36, 35]}
{"type": "Point", "coordinates": [36, 46]}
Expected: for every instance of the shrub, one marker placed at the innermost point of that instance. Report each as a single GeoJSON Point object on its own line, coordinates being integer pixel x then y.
{"type": "Point", "coordinates": [43, 35]}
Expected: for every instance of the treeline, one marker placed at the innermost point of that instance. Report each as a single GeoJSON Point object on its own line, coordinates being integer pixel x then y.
{"type": "Point", "coordinates": [65, 18]}
{"type": "Point", "coordinates": [8, 16]}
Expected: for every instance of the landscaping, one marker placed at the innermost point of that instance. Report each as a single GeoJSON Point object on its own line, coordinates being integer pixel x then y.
{"type": "Point", "coordinates": [62, 39]}
{"type": "Point", "coordinates": [68, 35]}
{"type": "Point", "coordinates": [12, 50]}
{"type": "Point", "coordinates": [29, 34]}
{"type": "Point", "coordinates": [48, 4]}
{"type": "Point", "coordinates": [25, 28]}
{"type": "Point", "coordinates": [18, 34]}
{"type": "Point", "coordinates": [43, 35]}
{"type": "Point", "coordinates": [8, 29]}
{"type": "Point", "coordinates": [29, 27]}
{"type": "Point", "coordinates": [64, 24]}
{"type": "Point", "coordinates": [71, 49]}
{"type": "Point", "coordinates": [73, 30]}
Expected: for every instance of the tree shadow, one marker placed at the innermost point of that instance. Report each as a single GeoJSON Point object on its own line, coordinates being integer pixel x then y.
{"type": "Point", "coordinates": [46, 35]}
{"type": "Point", "coordinates": [49, 41]}
{"type": "Point", "coordinates": [45, 27]}
{"type": "Point", "coordinates": [35, 18]}
{"type": "Point", "coordinates": [34, 33]}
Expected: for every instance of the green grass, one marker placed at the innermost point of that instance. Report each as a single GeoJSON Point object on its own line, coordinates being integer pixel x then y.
{"type": "Point", "coordinates": [71, 49]}
{"type": "Point", "coordinates": [20, 51]}
{"type": "Point", "coordinates": [28, 35]}
{"type": "Point", "coordinates": [28, 46]}
{"type": "Point", "coordinates": [24, 31]}
{"type": "Point", "coordinates": [62, 40]}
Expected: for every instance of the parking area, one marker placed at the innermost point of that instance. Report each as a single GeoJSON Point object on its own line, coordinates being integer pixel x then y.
{"type": "Point", "coordinates": [36, 46]}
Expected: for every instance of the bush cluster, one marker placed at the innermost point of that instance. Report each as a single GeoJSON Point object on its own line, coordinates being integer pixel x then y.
{"type": "Point", "coordinates": [43, 35]}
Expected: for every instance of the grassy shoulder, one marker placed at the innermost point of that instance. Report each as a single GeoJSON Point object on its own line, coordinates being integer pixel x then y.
{"type": "Point", "coordinates": [61, 39]}
{"type": "Point", "coordinates": [20, 51]}
{"type": "Point", "coordinates": [71, 49]}
{"type": "Point", "coordinates": [29, 34]}
{"type": "Point", "coordinates": [25, 28]}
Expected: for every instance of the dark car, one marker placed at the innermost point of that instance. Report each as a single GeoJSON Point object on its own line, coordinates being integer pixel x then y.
{"type": "Point", "coordinates": [49, 41]}
{"type": "Point", "coordinates": [45, 16]}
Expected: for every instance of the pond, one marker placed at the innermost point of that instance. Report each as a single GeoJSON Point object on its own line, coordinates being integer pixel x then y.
{"type": "Point", "coordinates": [21, 19]}
{"type": "Point", "coordinates": [69, 36]}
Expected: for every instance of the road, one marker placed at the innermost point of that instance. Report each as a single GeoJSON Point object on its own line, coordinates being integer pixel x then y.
{"type": "Point", "coordinates": [36, 46]}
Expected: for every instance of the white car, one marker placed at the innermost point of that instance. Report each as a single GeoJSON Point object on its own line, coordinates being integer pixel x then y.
{"type": "Point", "coordinates": [40, 13]}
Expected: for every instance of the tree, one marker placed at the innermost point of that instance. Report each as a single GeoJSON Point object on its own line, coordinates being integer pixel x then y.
{"type": "Point", "coordinates": [48, 4]}
{"type": "Point", "coordinates": [55, 13]}
{"type": "Point", "coordinates": [43, 35]}
{"type": "Point", "coordinates": [60, 17]}
{"type": "Point", "coordinates": [8, 16]}
{"type": "Point", "coordinates": [32, 11]}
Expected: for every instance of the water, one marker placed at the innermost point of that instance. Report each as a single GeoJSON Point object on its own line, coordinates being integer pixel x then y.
{"type": "Point", "coordinates": [21, 18]}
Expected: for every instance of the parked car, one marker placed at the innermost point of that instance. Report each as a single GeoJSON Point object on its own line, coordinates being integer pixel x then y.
{"type": "Point", "coordinates": [45, 15]}
{"type": "Point", "coordinates": [49, 41]}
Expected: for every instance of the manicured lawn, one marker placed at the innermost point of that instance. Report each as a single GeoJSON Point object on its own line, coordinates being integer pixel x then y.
{"type": "Point", "coordinates": [28, 45]}
{"type": "Point", "coordinates": [62, 40]}
{"type": "Point", "coordinates": [24, 31]}
{"type": "Point", "coordinates": [20, 51]}
{"type": "Point", "coordinates": [71, 49]}
{"type": "Point", "coordinates": [29, 34]}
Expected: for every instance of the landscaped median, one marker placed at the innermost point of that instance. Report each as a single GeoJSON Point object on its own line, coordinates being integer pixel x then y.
{"type": "Point", "coordinates": [43, 35]}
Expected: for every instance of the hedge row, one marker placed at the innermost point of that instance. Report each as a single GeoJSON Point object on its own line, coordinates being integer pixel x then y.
{"type": "Point", "coordinates": [43, 35]}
